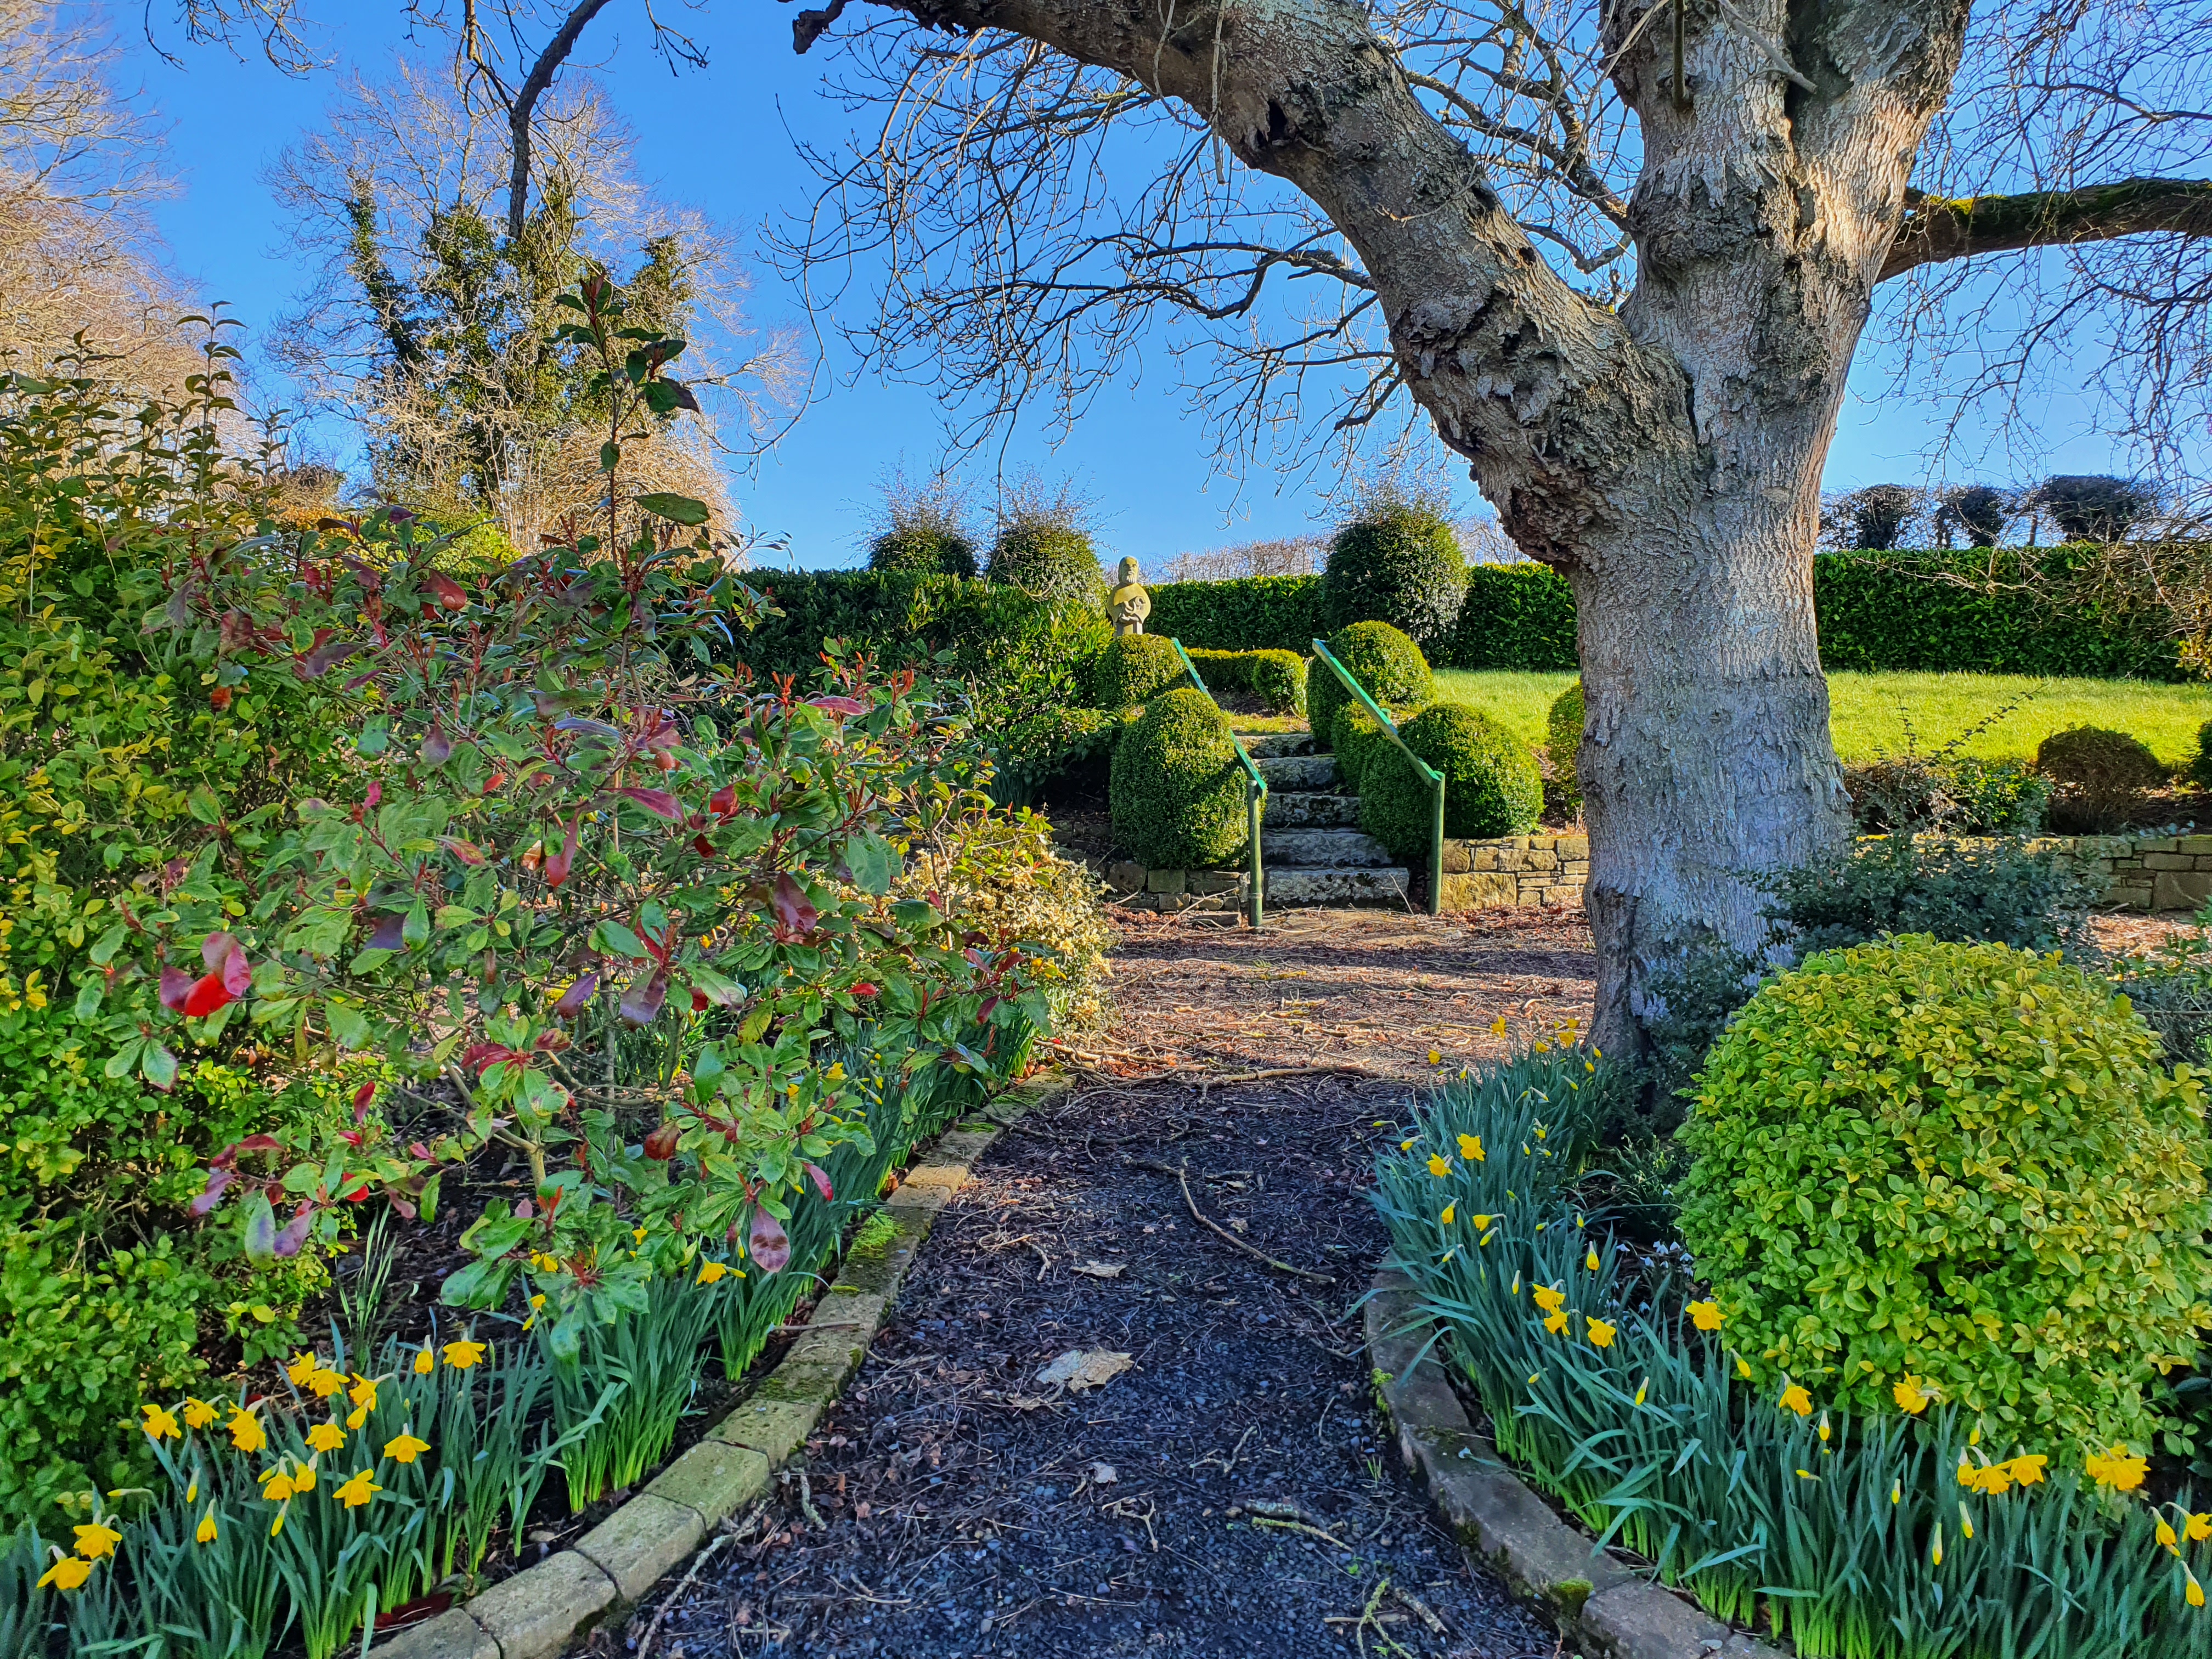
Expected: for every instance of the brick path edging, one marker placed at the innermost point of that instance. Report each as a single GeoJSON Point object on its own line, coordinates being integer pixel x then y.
{"type": "Point", "coordinates": [537, 1611]}
{"type": "Point", "coordinates": [1595, 1601]}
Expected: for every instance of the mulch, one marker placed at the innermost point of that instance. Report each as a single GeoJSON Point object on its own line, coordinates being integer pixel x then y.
{"type": "Point", "coordinates": [1232, 1490]}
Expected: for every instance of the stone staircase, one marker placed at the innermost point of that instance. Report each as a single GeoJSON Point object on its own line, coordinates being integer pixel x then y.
{"type": "Point", "coordinates": [1311, 847]}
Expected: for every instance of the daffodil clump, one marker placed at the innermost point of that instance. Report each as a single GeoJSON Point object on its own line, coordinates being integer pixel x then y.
{"type": "Point", "coordinates": [1955, 1172]}
{"type": "Point", "coordinates": [1622, 1388]}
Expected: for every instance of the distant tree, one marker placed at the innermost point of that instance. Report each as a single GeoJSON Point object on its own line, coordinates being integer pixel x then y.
{"type": "Point", "coordinates": [1977, 509]}
{"type": "Point", "coordinates": [923, 528]}
{"type": "Point", "coordinates": [2093, 507]}
{"type": "Point", "coordinates": [1044, 544]}
{"type": "Point", "coordinates": [1283, 555]}
{"type": "Point", "coordinates": [1880, 513]}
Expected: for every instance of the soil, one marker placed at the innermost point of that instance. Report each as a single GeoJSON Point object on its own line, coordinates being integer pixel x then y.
{"type": "Point", "coordinates": [1232, 1490]}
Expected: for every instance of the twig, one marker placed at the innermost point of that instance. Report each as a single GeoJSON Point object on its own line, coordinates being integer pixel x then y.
{"type": "Point", "coordinates": [1300, 1526]}
{"type": "Point", "coordinates": [727, 1536]}
{"type": "Point", "coordinates": [1429, 1616]}
{"type": "Point", "coordinates": [1339, 1067]}
{"type": "Point", "coordinates": [1183, 1175]}
{"type": "Point", "coordinates": [806, 1503]}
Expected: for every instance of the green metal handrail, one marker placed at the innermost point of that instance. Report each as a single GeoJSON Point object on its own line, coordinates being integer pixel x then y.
{"type": "Point", "coordinates": [1421, 766]}
{"type": "Point", "coordinates": [1255, 795]}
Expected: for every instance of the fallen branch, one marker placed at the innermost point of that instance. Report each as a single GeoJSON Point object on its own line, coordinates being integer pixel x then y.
{"type": "Point", "coordinates": [1300, 1526]}
{"type": "Point", "coordinates": [1197, 1215]}
{"type": "Point", "coordinates": [729, 1534]}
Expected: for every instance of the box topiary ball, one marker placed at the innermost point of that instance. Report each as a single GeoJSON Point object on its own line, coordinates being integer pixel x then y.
{"type": "Point", "coordinates": [1382, 659]}
{"type": "Point", "coordinates": [1176, 792]}
{"type": "Point", "coordinates": [1492, 786]}
{"type": "Point", "coordinates": [2101, 775]}
{"type": "Point", "coordinates": [1563, 735]}
{"type": "Point", "coordinates": [1357, 738]}
{"type": "Point", "coordinates": [1051, 560]}
{"type": "Point", "coordinates": [925, 549]}
{"type": "Point", "coordinates": [1398, 563]}
{"type": "Point", "coordinates": [1132, 668]}
{"type": "Point", "coordinates": [1957, 1171]}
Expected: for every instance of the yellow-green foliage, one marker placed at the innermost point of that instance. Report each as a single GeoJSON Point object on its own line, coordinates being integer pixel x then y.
{"type": "Point", "coordinates": [1962, 1163]}
{"type": "Point", "coordinates": [1563, 735]}
{"type": "Point", "coordinates": [1132, 667]}
{"type": "Point", "coordinates": [1387, 664]}
{"type": "Point", "coordinates": [1278, 678]}
{"type": "Point", "coordinates": [1176, 794]}
{"type": "Point", "coordinates": [998, 872]}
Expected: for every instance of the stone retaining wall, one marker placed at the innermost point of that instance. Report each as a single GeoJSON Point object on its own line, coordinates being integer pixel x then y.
{"type": "Point", "coordinates": [2141, 872]}
{"type": "Point", "coordinates": [1139, 889]}
{"type": "Point", "coordinates": [1506, 872]}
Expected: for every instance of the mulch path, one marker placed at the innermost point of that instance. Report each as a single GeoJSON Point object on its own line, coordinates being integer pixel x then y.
{"type": "Point", "coordinates": [1230, 1491]}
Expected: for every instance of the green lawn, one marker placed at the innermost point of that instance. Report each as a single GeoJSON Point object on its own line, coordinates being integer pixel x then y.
{"type": "Point", "coordinates": [1870, 712]}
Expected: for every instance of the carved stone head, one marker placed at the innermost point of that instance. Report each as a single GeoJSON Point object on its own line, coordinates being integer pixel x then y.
{"type": "Point", "coordinates": [1125, 574]}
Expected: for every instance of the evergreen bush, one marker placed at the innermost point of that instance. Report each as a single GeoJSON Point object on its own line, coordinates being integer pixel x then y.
{"type": "Point", "coordinates": [926, 551]}
{"type": "Point", "coordinates": [1049, 557]}
{"type": "Point", "coordinates": [1398, 563]}
{"type": "Point", "coordinates": [1492, 783]}
{"type": "Point", "coordinates": [1131, 668]}
{"type": "Point", "coordinates": [1956, 1171]}
{"type": "Point", "coordinates": [1175, 791]}
{"type": "Point", "coordinates": [1563, 735]}
{"type": "Point", "coordinates": [1356, 738]}
{"type": "Point", "coordinates": [1277, 678]}
{"type": "Point", "coordinates": [1384, 661]}
{"type": "Point", "coordinates": [2101, 776]}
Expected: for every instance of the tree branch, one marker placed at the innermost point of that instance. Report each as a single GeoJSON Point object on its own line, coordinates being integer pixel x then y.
{"type": "Point", "coordinates": [1938, 228]}
{"type": "Point", "coordinates": [525, 100]}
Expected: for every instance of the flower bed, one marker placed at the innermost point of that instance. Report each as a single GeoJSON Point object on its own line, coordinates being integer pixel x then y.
{"type": "Point", "coordinates": [1611, 1383]}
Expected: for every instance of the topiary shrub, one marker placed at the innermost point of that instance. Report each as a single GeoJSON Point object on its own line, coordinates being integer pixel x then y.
{"type": "Point", "coordinates": [1492, 783]}
{"type": "Point", "coordinates": [1398, 563]}
{"type": "Point", "coordinates": [1382, 659]}
{"type": "Point", "coordinates": [1049, 555]}
{"type": "Point", "coordinates": [1563, 735]}
{"type": "Point", "coordinates": [1176, 792]}
{"type": "Point", "coordinates": [2200, 768]}
{"type": "Point", "coordinates": [1277, 678]}
{"type": "Point", "coordinates": [2101, 775]}
{"type": "Point", "coordinates": [926, 549]}
{"type": "Point", "coordinates": [1356, 736]}
{"type": "Point", "coordinates": [1131, 668]}
{"type": "Point", "coordinates": [1960, 1165]}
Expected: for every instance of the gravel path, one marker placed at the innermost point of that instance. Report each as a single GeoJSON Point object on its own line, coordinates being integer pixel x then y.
{"type": "Point", "coordinates": [1229, 1491]}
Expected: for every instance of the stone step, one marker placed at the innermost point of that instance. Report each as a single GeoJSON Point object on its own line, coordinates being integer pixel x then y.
{"type": "Point", "coordinates": [1309, 809]}
{"type": "Point", "coordinates": [1257, 743]}
{"type": "Point", "coordinates": [1319, 848]}
{"type": "Point", "coordinates": [1299, 889]}
{"type": "Point", "coordinates": [1298, 771]}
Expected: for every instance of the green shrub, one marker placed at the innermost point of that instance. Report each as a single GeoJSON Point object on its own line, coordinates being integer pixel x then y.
{"type": "Point", "coordinates": [1962, 796]}
{"type": "Point", "coordinates": [1049, 558]}
{"type": "Point", "coordinates": [1959, 1163]}
{"type": "Point", "coordinates": [1176, 791]}
{"type": "Point", "coordinates": [1357, 738]}
{"type": "Point", "coordinates": [1277, 678]}
{"type": "Point", "coordinates": [1492, 783]}
{"type": "Point", "coordinates": [1251, 613]}
{"type": "Point", "coordinates": [1514, 615]}
{"type": "Point", "coordinates": [2101, 775]}
{"type": "Point", "coordinates": [1131, 668]}
{"type": "Point", "coordinates": [1563, 735]}
{"type": "Point", "coordinates": [1055, 749]}
{"type": "Point", "coordinates": [1389, 665]}
{"type": "Point", "coordinates": [1398, 563]}
{"type": "Point", "coordinates": [926, 551]}
{"type": "Point", "coordinates": [2200, 765]}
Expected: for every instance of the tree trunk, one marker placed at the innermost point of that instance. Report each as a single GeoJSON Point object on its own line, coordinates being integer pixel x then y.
{"type": "Point", "coordinates": [1705, 760]}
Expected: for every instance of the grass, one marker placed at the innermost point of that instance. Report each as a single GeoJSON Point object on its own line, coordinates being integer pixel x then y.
{"type": "Point", "coordinates": [1877, 715]}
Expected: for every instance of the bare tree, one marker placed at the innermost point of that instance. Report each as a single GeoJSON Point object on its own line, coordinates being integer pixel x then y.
{"type": "Point", "coordinates": [1621, 261]}
{"type": "Point", "coordinates": [1283, 555]}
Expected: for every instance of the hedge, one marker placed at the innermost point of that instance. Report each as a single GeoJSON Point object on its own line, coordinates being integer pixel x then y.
{"type": "Point", "coordinates": [1177, 795]}
{"type": "Point", "coordinates": [1888, 611]}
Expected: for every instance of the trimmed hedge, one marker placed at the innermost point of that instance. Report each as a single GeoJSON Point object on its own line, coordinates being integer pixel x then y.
{"type": "Point", "coordinates": [1887, 610]}
{"type": "Point", "coordinates": [1402, 566]}
{"type": "Point", "coordinates": [1388, 664]}
{"type": "Point", "coordinates": [1051, 561]}
{"type": "Point", "coordinates": [1563, 735]}
{"type": "Point", "coordinates": [1253, 613]}
{"type": "Point", "coordinates": [1278, 678]}
{"type": "Point", "coordinates": [1492, 783]}
{"type": "Point", "coordinates": [925, 551]}
{"type": "Point", "coordinates": [1356, 736]}
{"type": "Point", "coordinates": [1131, 668]}
{"type": "Point", "coordinates": [1176, 792]}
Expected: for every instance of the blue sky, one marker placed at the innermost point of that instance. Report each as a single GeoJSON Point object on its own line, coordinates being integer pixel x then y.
{"type": "Point", "coordinates": [720, 140]}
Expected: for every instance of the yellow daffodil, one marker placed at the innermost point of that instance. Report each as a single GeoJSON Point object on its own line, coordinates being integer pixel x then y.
{"type": "Point", "coordinates": [1557, 1324]}
{"type": "Point", "coordinates": [2027, 1471]}
{"type": "Point", "coordinates": [1643, 1390]}
{"type": "Point", "coordinates": [67, 1572]}
{"type": "Point", "coordinates": [325, 1437]}
{"type": "Point", "coordinates": [1470, 1148]}
{"type": "Point", "coordinates": [1965, 1523]}
{"type": "Point", "coordinates": [357, 1491]}
{"type": "Point", "coordinates": [1439, 1166]}
{"type": "Point", "coordinates": [1590, 1260]}
{"type": "Point", "coordinates": [246, 1430]}
{"type": "Point", "coordinates": [1482, 1222]}
{"type": "Point", "coordinates": [1806, 1474]}
{"type": "Point", "coordinates": [1498, 1026]}
{"type": "Point", "coordinates": [1912, 1398]}
{"type": "Point", "coordinates": [324, 1383]}
{"type": "Point", "coordinates": [2196, 1528]}
{"type": "Point", "coordinates": [1825, 1431]}
{"type": "Point", "coordinates": [711, 1272]}
{"type": "Point", "coordinates": [97, 1540]}
{"type": "Point", "coordinates": [1446, 1218]}
{"type": "Point", "coordinates": [1406, 1145]}
{"type": "Point", "coordinates": [462, 1355]}
{"type": "Point", "coordinates": [1516, 1291]}
{"type": "Point", "coordinates": [1435, 1059]}
{"type": "Point", "coordinates": [1600, 1333]}
{"type": "Point", "coordinates": [1935, 1550]}
{"type": "Point", "coordinates": [276, 1485]}
{"type": "Point", "coordinates": [304, 1365]}
{"type": "Point", "coordinates": [363, 1392]}
{"type": "Point", "coordinates": [836, 1073]}
{"type": "Point", "coordinates": [161, 1424]}
{"type": "Point", "coordinates": [1550, 1300]}
{"type": "Point", "coordinates": [1794, 1399]}
{"type": "Point", "coordinates": [1995, 1480]}
{"type": "Point", "coordinates": [406, 1449]}
{"type": "Point", "coordinates": [1966, 1475]}
{"type": "Point", "coordinates": [2194, 1593]}
{"type": "Point", "coordinates": [2118, 1468]}
{"type": "Point", "coordinates": [425, 1362]}
{"type": "Point", "coordinates": [1896, 1491]}
{"type": "Point", "coordinates": [198, 1413]}
{"type": "Point", "coordinates": [303, 1476]}
{"type": "Point", "coordinates": [1705, 1316]}
{"type": "Point", "coordinates": [357, 1417]}
{"type": "Point", "coordinates": [205, 1532]}
{"type": "Point", "coordinates": [1743, 1368]}
{"type": "Point", "coordinates": [192, 1491]}
{"type": "Point", "coordinates": [2167, 1536]}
